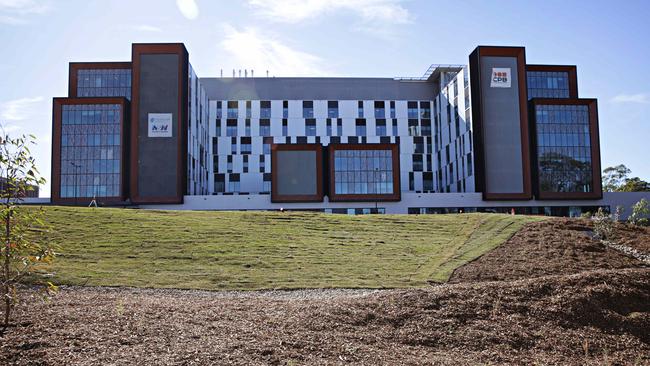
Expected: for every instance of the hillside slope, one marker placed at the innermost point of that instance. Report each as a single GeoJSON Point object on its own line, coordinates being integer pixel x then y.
{"type": "Point", "coordinates": [258, 250]}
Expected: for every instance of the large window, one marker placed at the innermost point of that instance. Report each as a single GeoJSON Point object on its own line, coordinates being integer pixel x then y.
{"type": "Point", "coordinates": [547, 84]}
{"type": "Point", "coordinates": [360, 172]}
{"type": "Point", "coordinates": [104, 83]}
{"type": "Point", "coordinates": [90, 150]}
{"type": "Point", "coordinates": [563, 148]}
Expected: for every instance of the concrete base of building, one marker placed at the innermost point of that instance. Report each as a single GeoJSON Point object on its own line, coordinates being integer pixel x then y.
{"type": "Point", "coordinates": [434, 202]}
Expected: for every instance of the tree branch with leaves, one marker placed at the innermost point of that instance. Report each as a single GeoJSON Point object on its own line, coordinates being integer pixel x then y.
{"type": "Point", "coordinates": [25, 253]}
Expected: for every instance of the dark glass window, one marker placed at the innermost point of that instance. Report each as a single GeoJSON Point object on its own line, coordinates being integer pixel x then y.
{"type": "Point", "coordinates": [245, 145]}
{"type": "Point", "coordinates": [417, 163]}
{"type": "Point", "coordinates": [563, 148]}
{"type": "Point", "coordinates": [248, 109]}
{"type": "Point", "coordinates": [380, 127]}
{"type": "Point", "coordinates": [546, 84]}
{"type": "Point", "coordinates": [360, 109]}
{"type": "Point", "coordinates": [412, 108]}
{"type": "Point", "coordinates": [266, 181]}
{"type": "Point", "coordinates": [231, 127]}
{"type": "Point", "coordinates": [266, 146]}
{"type": "Point", "coordinates": [333, 109]}
{"type": "Point", "coordinates": [265, 109]}
{"type": "Point", "coordinates": [427, 181]}
{"type": "Point", "coordinates": [425, 110]}
{"type": "Point", "coordinates": [307, 109]}
{"type": "Point", "coordinates": [219, 183]}
{"type": "Point", "coordinates": [265, 127]}
{"type": "Point", "coordinates": [232, 109]}
{"type": "Point", "coordinates": [233, 182]}
{"type": "Point", "coordinates": [310, 127]}
{"type": "Point", "coordinates": [285, 109]}
{"type": "Point", "coordinates": [104, 83]}
{"type": "Point", "coordinates": [90, 150]}
{"type": "Point", "coordinates": [392, 109]}
{"type": "Point", "coordinates": [425, 130]}
{"type": "Point", "coordinates": [285, 127]}
{"type": "Point", "coordinates": [219, 109]}
{"type": "Point", "coordinates": [380, 109]}
{"type": "Point", "coordinates": [363, 171]}
{"type": "Point", "coordinates": [360, 124]}
{"type": "Point", "coordinates": [418, 145]}
{"type": "Point", "coordinates": [328, 127]}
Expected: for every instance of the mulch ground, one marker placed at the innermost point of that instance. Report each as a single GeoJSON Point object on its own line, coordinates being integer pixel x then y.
{"type": "Point", "coordinates": [598, 316]}
{"type": "Point", "coordinates": [551, 247]}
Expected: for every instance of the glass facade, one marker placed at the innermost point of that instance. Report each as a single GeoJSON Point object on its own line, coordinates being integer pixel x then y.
{"type": "Point", "coordinates": [90, 150]}
{"type": "Point", "coordinates": [563, 148]}
{"type": "Point", "coordinates": [547, 84]}
{"type": "Point", "coordinates": [363, 171]}
{"type": "Point", "coordinates": [104, 83]}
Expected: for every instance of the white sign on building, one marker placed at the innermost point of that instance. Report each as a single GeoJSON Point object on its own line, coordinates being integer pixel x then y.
{"type": "Point", "coordinates": [501, 77]}
{"type": "Point", "coordinates": [160, 125]}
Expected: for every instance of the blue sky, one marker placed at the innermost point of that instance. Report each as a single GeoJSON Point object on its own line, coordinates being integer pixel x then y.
{"type": "Point", "coordinates": [385, 38]}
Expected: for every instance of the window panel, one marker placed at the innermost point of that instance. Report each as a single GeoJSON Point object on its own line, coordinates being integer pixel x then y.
{"type": "Point", "coordinates": [363, 172]}
{"type": "Point", "coordinates": [564, 156]}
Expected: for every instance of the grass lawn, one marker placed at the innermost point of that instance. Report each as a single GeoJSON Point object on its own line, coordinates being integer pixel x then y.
{"type": "Point", "coordinates": [261, 250]}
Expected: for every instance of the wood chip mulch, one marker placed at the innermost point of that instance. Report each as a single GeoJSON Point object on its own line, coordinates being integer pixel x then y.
{"type": "Point", "coordinates": [550, 295]}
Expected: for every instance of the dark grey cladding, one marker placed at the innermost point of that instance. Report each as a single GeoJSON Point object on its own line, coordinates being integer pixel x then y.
{"type": "Point", "coordinates": [317, 89]}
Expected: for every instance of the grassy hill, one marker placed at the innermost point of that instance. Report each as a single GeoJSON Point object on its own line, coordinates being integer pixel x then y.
{"type": "Point", "coordinates": [261, 250]}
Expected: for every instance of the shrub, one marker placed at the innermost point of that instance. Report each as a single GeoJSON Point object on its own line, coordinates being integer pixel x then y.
{"type": "Point", "coordinates": [640, 213]}
{"type": "Point", "coordinates": [604, 222]}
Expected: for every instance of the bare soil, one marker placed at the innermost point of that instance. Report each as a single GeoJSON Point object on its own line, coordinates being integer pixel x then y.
{"type": "Point", "coordinates": [552, 247]}
{"type": "Point", "coordinates": [551, 295]}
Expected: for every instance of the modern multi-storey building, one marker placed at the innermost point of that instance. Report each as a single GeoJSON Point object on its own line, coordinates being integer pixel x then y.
{"type": "Point", "coordinates": [498, 135]}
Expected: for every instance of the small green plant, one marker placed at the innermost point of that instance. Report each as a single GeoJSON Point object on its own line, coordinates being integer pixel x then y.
{"type": "Point", "coordinates": [640, 213]}
{"type": "Point", "coordinates": [24, 252]}
{"type": "Point", "coordinates": [604, 222]}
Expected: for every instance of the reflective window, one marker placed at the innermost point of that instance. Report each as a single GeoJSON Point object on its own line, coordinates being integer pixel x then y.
{"type": "Point", "coordinates": [563, 148]}
{"type": "Point", "coordinates": [265, 127]}
{"type": "Point", "coordinates": [380, 110]}
{"type": "Point", "coordinates": [363, 171]}
{"type": "Point", "coordinates": [380, 127]}
{"type": "Point", "coordinates": [265, 109]}
{"type": "Point", "coordinates": [307, 109]}
{"type": "Point", "coordinates": [104, 83]}
{"type": "Point", "coordinates": [232, 109]}
{"type": "Point", "coordinates": [412, 109]}
{"type": "Point", "coordinates": [360, 125]}
{"type": "Point", "coordinates": [90, 150]}
{"type": "Point", "coordinates": [231, 127]}
{"type": "Point", "coordinates": [310, 127]}
{"type": "Point", "coordinates": [545, 84]}
{"type": "Point", "coordinates": [425, 109]}
{"type": "Point", "coordinates": [333, 109]}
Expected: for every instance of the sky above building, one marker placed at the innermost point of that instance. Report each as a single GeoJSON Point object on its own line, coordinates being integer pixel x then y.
{"type": "Point", "coordinates": [608, 42]}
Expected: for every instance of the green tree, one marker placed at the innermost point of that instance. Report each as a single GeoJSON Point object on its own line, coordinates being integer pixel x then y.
{"type": "Point", "coordinates": [614, 177]}
{"type": "Point", "coordinates": [634, 184]}
{"type": "Point", "coordinates": [25, 254]}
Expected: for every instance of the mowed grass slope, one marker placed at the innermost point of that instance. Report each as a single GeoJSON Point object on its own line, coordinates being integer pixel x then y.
{"type": "Point", "coordinates": [262, 250]}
